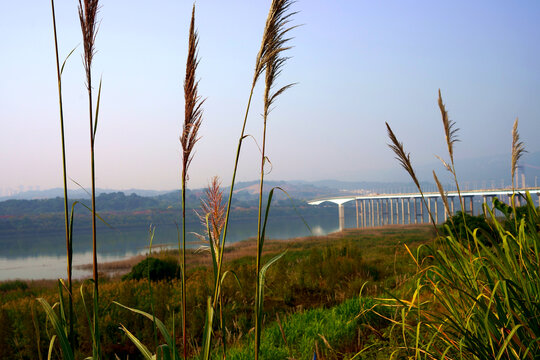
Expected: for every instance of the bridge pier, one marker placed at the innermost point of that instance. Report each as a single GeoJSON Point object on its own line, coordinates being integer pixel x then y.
{"type": "Point", "coordinates": [392, 211]}
{"type": "Point", "coordinates": [372, 212]}
{"type": "Point", "coordinates": [357, 222]}
{"type": "Point", "coordinates": [421, 211]}
{"type": "Point", "coordinates": [402, 211]}
{"type": "Point", "coordinates": [436, 212]}
{"type": "Point", "coordinates": [409, 210]}
{"type": "Point", "coordinates": [364, 213]}
{"type": "Point", "coordinates": [341, 214]}
{"type": "Point", "coordinates": [380, 212]}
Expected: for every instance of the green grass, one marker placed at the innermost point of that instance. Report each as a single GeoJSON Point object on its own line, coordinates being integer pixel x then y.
{"type": "Point", "coordinates": [477, 289]}
{"type": "Point", "coordinates": [334, 333]}
{"type": "Point", "coordinates": [316, 272]}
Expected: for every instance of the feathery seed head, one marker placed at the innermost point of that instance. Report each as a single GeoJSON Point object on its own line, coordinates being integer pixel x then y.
{"type": "Point", "coordinates": [274, 40]}
{"type": "Point", "coordinates": [212, 205]}
{"type": "Point", "coordinates": [450, 129]}
{"type": "Point", "coordinates": [193, 102]}
{"type": "Point", "coordinates": [401, 156]}
{"type": "Point", "coordinates": [518, 149]}
{"type": "Point", "coordinates": [87, 16]}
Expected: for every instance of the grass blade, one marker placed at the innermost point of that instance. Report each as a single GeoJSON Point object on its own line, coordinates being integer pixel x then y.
{"type": "Point", "coordinates": [142, 348]}
{"type": "Point", "coordinates": [207, 340]}
{"type": "Point", "coordinates": [67, 352]}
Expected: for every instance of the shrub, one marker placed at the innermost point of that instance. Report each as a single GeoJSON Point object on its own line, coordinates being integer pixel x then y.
{"type": "Point", "coordinates": [460, 223]}
{"type": "Point", "coordinates": [157, 269]}
{"type": "Point", "coordinates": [13, 285]}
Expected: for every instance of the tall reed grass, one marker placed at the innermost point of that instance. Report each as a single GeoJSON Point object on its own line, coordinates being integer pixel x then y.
{"type": "Point", "coordinates": [88, 18]}
{"type": "Point", "coordinates": [269, 61]}
{"type": "Point", "coordinates": [474, 299]}
{"type": "Point", "coordinates": [188, 139]}
{"type": "Point", "coordinates": [64, 324]}
{"type": "Point", "coordinates": [69, 240]}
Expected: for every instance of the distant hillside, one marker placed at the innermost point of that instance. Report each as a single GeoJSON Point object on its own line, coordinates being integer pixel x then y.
{"type": "Point", "coordinates": [75, 193]}
{"type": "Point", "coordinates": [474, 172]}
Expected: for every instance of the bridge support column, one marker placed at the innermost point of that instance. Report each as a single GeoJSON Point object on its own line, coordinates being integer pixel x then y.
{"type": "Point", "coordinates": [415, 211]}
{"type": "Point", "coordinates": [409, 210]}
{"type": "Point", "coordinates": [379, 212]}
{"type": "Point", "coordinates": [388, 211]}
{"type": "Point", "coordinates": [371, 213]}
{"type": "Point", "coordinates": [341, 217]}
{"type": "Point", "coordinates": [436, 212]}
{"type": "Point", "coordinates": [421, 212]}
{"type": "Point", "coordinates": [381, 218]}
{"type": "Point", "coordinates": [402, 212]}
{"type": "Point", "coordinates": [357, 219]}
{"type": "Point", "coordinates": [391, 211]}
{"type": "Point", "coordinates": [364, 213]}
{"type": "Point", "coordinates": [472, 207]}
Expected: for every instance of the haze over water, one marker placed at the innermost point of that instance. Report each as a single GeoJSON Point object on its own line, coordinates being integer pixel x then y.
{"type": "Point", "coordinates": [39, 256]}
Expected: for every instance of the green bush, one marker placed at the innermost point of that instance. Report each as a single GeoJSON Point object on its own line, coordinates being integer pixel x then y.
{"type": "Point", "coordinates": [13, 285]}
{"type": "Point", "coordinates": [157, 269]}
{"type": "Point", "coordinates": [460, 223]}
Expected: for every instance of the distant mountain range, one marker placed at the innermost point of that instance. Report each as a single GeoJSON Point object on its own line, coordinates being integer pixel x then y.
{"type": "Point", "coordinates": [480, 172]}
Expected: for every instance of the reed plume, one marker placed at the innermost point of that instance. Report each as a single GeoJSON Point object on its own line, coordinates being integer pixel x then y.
{"type": "Point", "coordinates": [450, 129]}
{"type": "Point", "coordinates": [87, 16]}
{"type": "Point", "coordinates": [213, 207]}
{"type": "Point", "coordinates": [271, 61]}
{"type": "Point", "coordinates": [518, 149]}
{"type": "Point", "coordinates": [188, 139]}
{"type": "Point", "coordinates": [404, 159]}
{"type": "Point", "coordinates": [450, 132]}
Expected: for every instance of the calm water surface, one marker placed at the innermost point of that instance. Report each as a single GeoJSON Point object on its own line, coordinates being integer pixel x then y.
{"type": "Point", "coordinates": [42, 256]}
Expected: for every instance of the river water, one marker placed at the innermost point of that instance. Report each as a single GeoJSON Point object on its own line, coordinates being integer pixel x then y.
{"type": "Point", "coordinates": [43, 255]}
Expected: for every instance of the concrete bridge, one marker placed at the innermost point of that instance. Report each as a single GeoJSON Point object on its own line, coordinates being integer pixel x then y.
{"type": "Point", "coordinates": [387, 209]}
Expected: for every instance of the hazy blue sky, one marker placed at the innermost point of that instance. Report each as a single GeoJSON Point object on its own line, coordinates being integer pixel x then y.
{"type": "Point", "coordinates": [357, 64]}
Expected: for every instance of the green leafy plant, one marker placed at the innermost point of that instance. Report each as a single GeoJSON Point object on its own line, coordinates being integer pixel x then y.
{"type": "Point", "coordinates": [154, 269]}
{"type": "Point", "coordinates": [474, 301]}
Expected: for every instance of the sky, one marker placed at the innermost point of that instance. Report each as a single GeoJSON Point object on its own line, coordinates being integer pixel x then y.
{"type": "Point", "coordinates": [357, 65]}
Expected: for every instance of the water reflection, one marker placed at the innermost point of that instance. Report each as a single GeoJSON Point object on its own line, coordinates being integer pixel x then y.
{"type": "Point", "coordinates": [42, 256]}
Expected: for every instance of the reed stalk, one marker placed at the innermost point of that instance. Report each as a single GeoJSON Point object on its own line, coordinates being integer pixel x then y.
{"type": "Point", "coordinates": [272, 71]}
{"type": "Point", "coordinates": [276, 28]}
{"type": "Point", "coordinates": [69, 249]}
{"type": "Point", "coordinates": [475, 300]}
{"type": "Point", "coordinates": [87, 16]}
{"type": "Point", "coordinates": [271, 45]}
{"type": "Point", "coordinates": [212, 217]}
{"type": "Point", "coordinates": [188, 139]}
{"type": "Point", "coordinates": [450, 133]}
{"type": "Point", "coordinates": [518, 149]}
{"type": "Point", "coordinates": [404, 159]}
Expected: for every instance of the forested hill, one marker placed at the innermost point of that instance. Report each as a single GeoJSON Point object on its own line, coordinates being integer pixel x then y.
{"type": "Point", "coordinates": [245, 195]}
{"type": "Point", "coordinates": [121, 210]}
{"type": "Point", "coordinates": [117, 201]}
